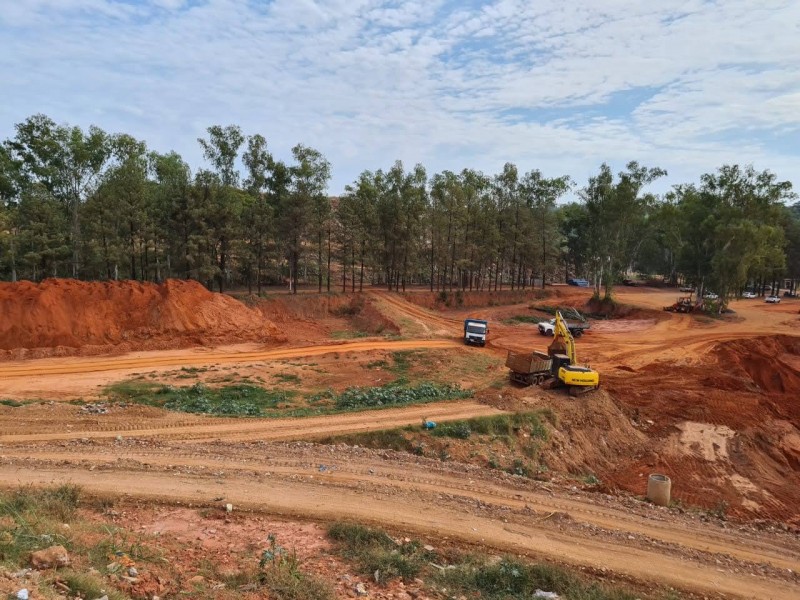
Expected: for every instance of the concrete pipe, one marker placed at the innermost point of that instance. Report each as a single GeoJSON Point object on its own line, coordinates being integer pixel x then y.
{"type": "Point", "coordinates": [659, 488]}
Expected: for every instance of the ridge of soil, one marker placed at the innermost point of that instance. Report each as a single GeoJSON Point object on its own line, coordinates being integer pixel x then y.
{"type": "Point", "coordinates": [70, 317]}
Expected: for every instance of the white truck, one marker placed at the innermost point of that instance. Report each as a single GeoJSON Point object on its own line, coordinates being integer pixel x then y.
{"type": "Point", "coordinates": [475, 331]}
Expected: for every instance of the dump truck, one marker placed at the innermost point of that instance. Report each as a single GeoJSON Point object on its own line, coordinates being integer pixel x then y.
{"type": "Point", "coordinates": [529, 368]}
{"type": "Point", "coordinates": [475, 331]}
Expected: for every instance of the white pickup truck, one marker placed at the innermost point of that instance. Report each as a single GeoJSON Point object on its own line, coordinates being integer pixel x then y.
{"type": "Point", "coordinates": [576, 328]}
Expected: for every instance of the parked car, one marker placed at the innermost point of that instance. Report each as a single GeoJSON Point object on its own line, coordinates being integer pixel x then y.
{"type": "Point", "coordinates": [710, 296]}
{"type": "Point", "coordinates": [578, 282]}
{"type": "Point", "coordinates": [629, 282]}
{"type": "Point", "coordinates": [748, 295]}
{"type": "Point", "coordinates": [773, 299]}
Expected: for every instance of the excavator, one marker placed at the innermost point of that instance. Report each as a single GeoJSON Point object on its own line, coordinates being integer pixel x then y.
{"type": "Point", "coordinates": [558, 368]}
{"type": "Point", "coordinates": [577, 378]}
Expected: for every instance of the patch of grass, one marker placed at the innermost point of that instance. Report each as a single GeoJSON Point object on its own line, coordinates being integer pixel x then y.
{"type": "Point", "coordinates": [377, 364]}
{"type": "Point", "coordinates": [85, 585]}
{"type": "Point", "coordinates": [397, 395]}
{"type": "Point", "coordinates": [287, 378]}
{"type": "Point", "coordinates": [284, 579]}
{"type": "Point", "coordinates": [12, 403]}
{"type": "Point", "coordinates": [496, 425]}
{"type": "Point", "coordinates": [522, 319]}
{"type": "Point", "coordinates": [375, 552]}
{"type": "Point", "coordinates": [233, 400]}
{"type": "Point", "coordinates": [349, 335]}
{"type": "Point", "coordinates": [511, 579]}
{"type": "Point", "coordinates": [30, 519]}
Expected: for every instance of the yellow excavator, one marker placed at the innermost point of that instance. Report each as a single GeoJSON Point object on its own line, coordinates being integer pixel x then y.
{"type": "Point", "coordinates": [577, 378]}
{"type": "Point", "coordinates": [558, 368]}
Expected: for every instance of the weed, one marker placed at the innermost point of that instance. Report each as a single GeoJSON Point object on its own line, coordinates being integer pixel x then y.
{"type": "Point", "coordinates": [287, 378]}
{"type": "Point", "coordinates": [377, 364]}
{"type": "Point", "coordinates": [522, 319]}
{"type": "Point", "coordinates": [11, 403]}
{"type": "Point", "coordinates": [348, 335]}
{"type": "Point", "coordinates": [84, 585]}
{"type": "Point", "coordinates": [398, 395]}
{"type": "Point", "coordinates": [375, 552]}
{"type": "Point", "coordinates": [458, 429]}
{"type": "Point", "coordinates": [233, 400]}
{"type": "Point", "coordinates": [511, 579]}
{"type": "Point", "coordinates": [283, 578]}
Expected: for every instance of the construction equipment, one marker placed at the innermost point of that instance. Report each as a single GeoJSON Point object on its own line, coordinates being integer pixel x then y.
{"type": "Point", "coordinates": [558, 368]}
{"type": "Point", "coordinates": [685, 304]}
{"type": "Point", "coordinates": [475, 331]}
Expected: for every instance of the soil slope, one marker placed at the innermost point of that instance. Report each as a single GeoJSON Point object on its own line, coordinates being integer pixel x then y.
{"type": "Point", "coordinates": [62, 316]}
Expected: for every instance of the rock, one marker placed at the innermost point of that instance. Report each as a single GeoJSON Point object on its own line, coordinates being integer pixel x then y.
{"type": "Point", "coordinates": [197, 580]}
{"type": "Point", "coordinates": [546, 595]}
{"type": "Point", "coordinates": [132, 572]}
{"type": "Point", "coordinates": [22, 594]}
{"type": "Point", "coordinates": [229, 507]}
{"type": "Point", "coordinates": [428, 548]}
{"type": "Point", "coordinates": [361, 589]}
{"type": "Point", "coordinates": [50, 558]}
{"type": "Point", "coordinates": [105, 597]}
{"type": "Point", "coordinates": [377, 576]}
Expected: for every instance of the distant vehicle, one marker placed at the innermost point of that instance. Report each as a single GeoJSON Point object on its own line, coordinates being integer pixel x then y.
{"type": "Point", "coordinates": [578, 282]}
{"type": "Point", "coordinates": [772, 299]}
{"type": "Point", "coordinates": [789, 294]}
{"type": "Point", "coordinates": [710, 296]}
{"type": "Point", "coordinates": [749, 295]}
{"type": "Point", "coordinates": [629, 282]}
{"type": "Point", "coordinates": [475, 331]}
{"type": "Point", "coordinates": [687, 289]}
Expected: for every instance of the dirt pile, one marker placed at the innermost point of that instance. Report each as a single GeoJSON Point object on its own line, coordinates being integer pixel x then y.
{"type": "Point", "coordinates": [309, 317]}
{"type": "Point", "coordinates": [64, 316]}
{"type": "Point", "coordinates": [726, 429]}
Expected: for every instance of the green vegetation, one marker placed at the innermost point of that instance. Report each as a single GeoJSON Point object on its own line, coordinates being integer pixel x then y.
{"type": "Point", "coordinates": [282, 576]}
{"type": "Point", "coordinates": [522, 319]}
{"type": "Point", "coordinates": [254, 401]}
{"type": "Point", "coordinates": [287, 378]}
{"type": "Point", "coordinates": [87, 585]}
{"type": "Point", "coordinates": [497, 426]}
{"type": "Point", "coordinates": [397, 395]}
{"type": "Point", "coordinates": [513, 579]}
{"type": "Point", "coordinates": [349, 335]}
{"type": "Point", "coordinates": [230, 401]}
{"type": "Point", "coordinates": [472, 576]}
{"type": "Point", "coordinates": [374, 551]}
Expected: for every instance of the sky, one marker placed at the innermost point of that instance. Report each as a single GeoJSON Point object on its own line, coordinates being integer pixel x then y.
{"type": "Point", "coordinates": [559, 86]}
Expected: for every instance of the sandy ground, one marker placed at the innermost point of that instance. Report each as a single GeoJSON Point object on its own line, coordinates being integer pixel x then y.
{"type": "Point", "coordinates": [696, 403]}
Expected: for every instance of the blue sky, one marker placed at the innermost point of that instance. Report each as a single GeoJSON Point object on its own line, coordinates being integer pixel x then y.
{"type": "Point", "coordinates": [550, 85]}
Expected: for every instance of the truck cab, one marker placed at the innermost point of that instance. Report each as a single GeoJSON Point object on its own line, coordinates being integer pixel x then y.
{"type": "Point", "coordinates": [475, 331]}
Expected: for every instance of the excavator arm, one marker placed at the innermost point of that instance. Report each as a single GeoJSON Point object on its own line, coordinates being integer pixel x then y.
{"type": "Point", "coordinates": [563, 342]}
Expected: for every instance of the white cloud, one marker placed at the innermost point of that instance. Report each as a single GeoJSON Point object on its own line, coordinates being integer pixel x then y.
{"type": "Point", "coordinates": [683, 85]}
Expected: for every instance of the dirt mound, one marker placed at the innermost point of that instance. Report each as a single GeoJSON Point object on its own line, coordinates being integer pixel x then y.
{"type": "Point", "coordinates": [726, 428]}
{"type": "Point", "coordinates": [309, 317]}
{"type": "Point", "coordinates": [64, 316]}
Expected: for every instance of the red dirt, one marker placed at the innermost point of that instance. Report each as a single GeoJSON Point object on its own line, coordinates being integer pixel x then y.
{"type": "Point", "coordinates": [62, 317]}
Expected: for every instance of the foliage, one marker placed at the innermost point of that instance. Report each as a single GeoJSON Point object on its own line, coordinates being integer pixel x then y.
{"type": "Point", "coordinates": [376, 553]}
{"type": "Point", "coordinates": [398, 395]}
{"type": "Point", "coordinates": [233, 400]}
{"type": "Point", "coordinates": [512, 579]}
{"type": "Point", "coordinates": [94, 205]}
{"type": "Point", "coordinates": [284, 579]}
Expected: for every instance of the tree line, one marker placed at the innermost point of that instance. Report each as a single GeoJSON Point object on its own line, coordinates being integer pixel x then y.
{"type": "Point", "coordinates": [94, 205]}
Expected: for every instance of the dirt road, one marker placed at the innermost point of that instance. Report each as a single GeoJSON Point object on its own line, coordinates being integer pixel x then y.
{"type": "Point", "coordinates": [432, 498]}
{"type": "Point", "coordinates": [188, 459]}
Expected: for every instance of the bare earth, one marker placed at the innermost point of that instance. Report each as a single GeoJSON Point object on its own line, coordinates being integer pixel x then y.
{"type": "Point", "coordinates": [691, 386]}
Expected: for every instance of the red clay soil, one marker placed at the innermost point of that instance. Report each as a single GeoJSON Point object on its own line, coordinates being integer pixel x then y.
{"type": "Point", "coordinates": [727, 429]}
{"type": "Point", "coordinates": [65, 316]}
